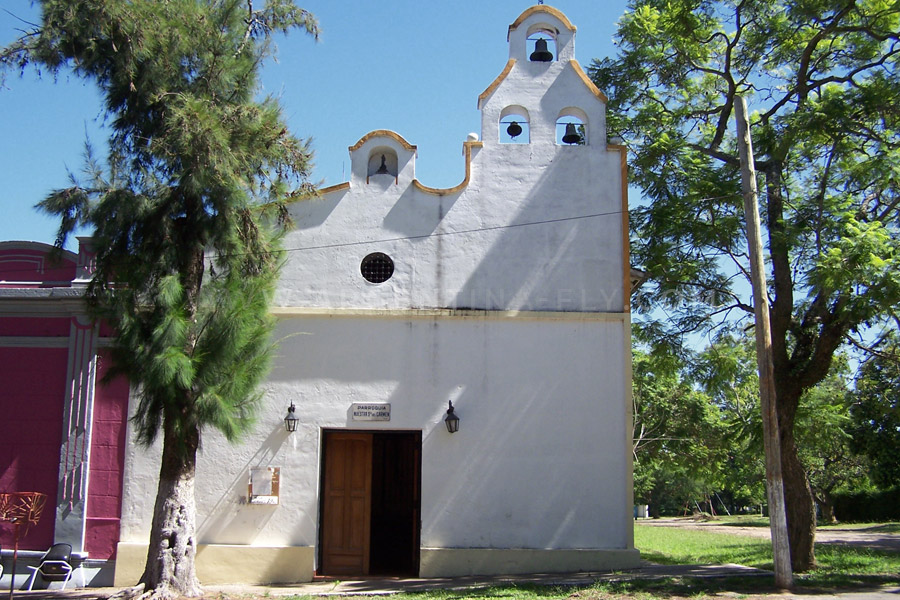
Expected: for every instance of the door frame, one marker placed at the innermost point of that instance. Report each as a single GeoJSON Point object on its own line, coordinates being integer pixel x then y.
{"type": "Point", "coordinates": [417, 490]}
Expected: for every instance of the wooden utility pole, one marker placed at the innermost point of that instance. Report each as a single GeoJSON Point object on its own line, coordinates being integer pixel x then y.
{"type": "Point", "coordinates": [771, 439]}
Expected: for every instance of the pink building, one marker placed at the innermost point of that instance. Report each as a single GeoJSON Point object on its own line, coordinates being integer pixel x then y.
{"type": "Point", "coordinates": [62, 430]}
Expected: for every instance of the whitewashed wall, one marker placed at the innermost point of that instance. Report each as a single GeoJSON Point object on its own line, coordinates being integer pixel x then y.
{"type": "Point", "coordinates": [537, 463]}
{"type": "Point", "coordinates": [508, 298]}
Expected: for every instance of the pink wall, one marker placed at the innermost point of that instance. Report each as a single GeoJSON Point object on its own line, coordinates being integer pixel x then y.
{"type": "Point", "coordinates": [31, 397]}
{"type": "Point", "coordinates": [25, 264]}
{"type": "Point", "coordinates": [107, 462]}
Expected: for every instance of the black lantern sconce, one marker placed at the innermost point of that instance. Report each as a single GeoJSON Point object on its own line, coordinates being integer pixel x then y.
{"type": "Point", "coordinates": [451, 420]}
{"type": "Point", "coordinates": [291, 420]}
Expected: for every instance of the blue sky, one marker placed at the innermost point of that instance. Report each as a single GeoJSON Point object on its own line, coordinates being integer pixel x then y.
{"type": "Point", "coordinates": [416, 67]}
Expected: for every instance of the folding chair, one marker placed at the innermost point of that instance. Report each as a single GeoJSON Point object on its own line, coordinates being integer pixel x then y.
{"type": "Point", "coordinates": [54, 565]}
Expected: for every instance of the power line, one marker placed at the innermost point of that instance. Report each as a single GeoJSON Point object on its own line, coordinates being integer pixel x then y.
{"type": "Point", "coordinates": [414, 237]}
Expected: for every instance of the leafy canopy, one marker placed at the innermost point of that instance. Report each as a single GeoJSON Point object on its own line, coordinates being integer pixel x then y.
{"type": "Point", "coordinates": [184, 209]}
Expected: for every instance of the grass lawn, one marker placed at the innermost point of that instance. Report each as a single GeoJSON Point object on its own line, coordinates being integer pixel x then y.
{"type": "Point", "coordinates": [838, 565]}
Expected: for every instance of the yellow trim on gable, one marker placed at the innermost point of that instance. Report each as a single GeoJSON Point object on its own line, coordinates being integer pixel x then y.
{"type": "Point", "coordinates": [334, 188]}
{"type": "Point", "coordinates": [494, 84]}
{"type": "Point", "coordinates": [545, 9]}
{"type": "Point", "coordinates": [587, 81]}
{"type": "Point", "coordinates": [383, 133]}
{"type": "Point", "coordinates": [467, 148]}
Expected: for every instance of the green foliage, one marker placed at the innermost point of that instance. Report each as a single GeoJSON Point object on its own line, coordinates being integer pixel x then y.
{"type": "Point", "coordinates": [185, 258]}
{"type": "Point", "coordinates": [678, 435]}
{"type": "Point", "coordinates": [868, 505]}
{"type": "Point", "coordinates": [821, 79]}
{"type": "Point", "coordinates": [875, 414]}
{"type": "Point", "coordinates": [822, 429]}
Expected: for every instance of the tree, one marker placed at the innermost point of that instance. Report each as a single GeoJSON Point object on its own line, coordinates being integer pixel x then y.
{"type": "Point", "coordinates": [875, 414]}
{"type": "Point", "coordinates": [679, 440]}
{"type": "Point", "coordinates": [184, 219]}
{"type": "Point", "coordinates": [823, 424]}
{"type": "Point", "coordinates": [822, 76]}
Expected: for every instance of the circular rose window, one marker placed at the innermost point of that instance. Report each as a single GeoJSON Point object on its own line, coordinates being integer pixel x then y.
{"type": "Point", "coordinates": [377, 267]}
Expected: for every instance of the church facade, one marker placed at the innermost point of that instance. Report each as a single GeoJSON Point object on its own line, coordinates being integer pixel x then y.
{"type": "Point", "coordinates": [451, 394]}
{"type": "Point", "coordinates": [505, 296]}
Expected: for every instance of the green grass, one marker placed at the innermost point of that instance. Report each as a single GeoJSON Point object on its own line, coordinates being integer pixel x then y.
{"type": "Point", "coordinates": [679, 546]}
{"type": "Point", "coordinates": [837, 565]}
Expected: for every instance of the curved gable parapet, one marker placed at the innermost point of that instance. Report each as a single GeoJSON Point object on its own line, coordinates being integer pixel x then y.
{"type": "Point", "coordinates": [541, 8]}
{"type": "Point", "coordinates": [386, 149]}
{"type": "Point", "coordinates": [467, 148]}
{"type": "Point", "coordinates": [383, 133]}
{"type": "Point", "coordinates": [587, 81]}
{"type": "Point", "coordinates": [541, 22]}
{"type": "Point", "coordinates": [496, 83]}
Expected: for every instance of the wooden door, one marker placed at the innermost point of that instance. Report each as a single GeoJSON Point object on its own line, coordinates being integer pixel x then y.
{"type": "Point", "coordinates": [346, 503]}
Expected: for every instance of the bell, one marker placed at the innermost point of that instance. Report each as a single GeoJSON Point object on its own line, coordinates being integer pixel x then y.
{"type": "Point", "coordinates": [514, 129]}
{"type": "Point", "coordinates": [572, 136]}
{"type": "Point", "coordinates": [541, 54]}
{"type": "Point", "coordinates": [382, 170]}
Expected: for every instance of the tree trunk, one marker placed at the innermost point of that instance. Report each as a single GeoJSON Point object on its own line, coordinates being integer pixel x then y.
{"type": "Point", "coordinates": [169, 571]}
{"type": "Point", "coordinates": [800, 506]}
{"type": "Point", "coordinates": [798, 497]}
{"type": "Point", "coordinates": [826, 505]}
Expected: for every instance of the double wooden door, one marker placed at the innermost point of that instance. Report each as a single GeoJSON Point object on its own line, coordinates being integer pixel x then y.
{"type": "Point", "coordinates": [370, 503]}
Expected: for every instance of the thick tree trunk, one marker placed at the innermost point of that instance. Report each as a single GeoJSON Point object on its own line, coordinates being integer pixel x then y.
{"type": "Point", "coordinates": [169, 571]}
{"type": "Point", "coordinates": [800, 506]}
{"type": "Point", "coordinates": [798, 497]}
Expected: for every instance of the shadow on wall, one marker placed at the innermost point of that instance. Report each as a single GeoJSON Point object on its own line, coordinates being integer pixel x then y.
{"type": "Point", "coordinates": [558, 235]}
{"type": "Point", "coordinates": [520, 472]}
{"type": "Point", "coordinates": [232, 520]}
{"type": "Point", "coordinates": [418, 214]}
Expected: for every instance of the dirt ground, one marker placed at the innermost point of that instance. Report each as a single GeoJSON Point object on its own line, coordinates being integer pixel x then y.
{"type": "Point", "coordinates": [867, 537]}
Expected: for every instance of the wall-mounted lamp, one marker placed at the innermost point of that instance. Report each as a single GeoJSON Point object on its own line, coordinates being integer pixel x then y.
{"type": "Point", "coordinates": [451, 420]}
{"type": "Point", "coordinates": [291, 420]}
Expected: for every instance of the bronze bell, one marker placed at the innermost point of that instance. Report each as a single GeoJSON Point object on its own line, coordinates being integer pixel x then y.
{"type": "Point", "coordinates": [514, 130]}
{"type": "Point", "coordinates": [382, 170]}
{"type": "Point", "coordinates": [541, 54]}
{"type": "Point", "coordinates": [572, 136]}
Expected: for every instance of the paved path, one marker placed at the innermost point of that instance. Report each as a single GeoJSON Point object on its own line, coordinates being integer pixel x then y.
{"type": "Point", "coordinates": [387, 586]}
{"type": "Point", "coordinates": [870, 538]}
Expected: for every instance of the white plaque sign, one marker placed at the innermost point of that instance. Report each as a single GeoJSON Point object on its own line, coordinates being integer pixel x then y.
{"type": "Point", "coordinates": [371, 412]}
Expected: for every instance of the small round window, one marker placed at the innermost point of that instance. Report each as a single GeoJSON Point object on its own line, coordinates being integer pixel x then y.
{"type": "Point", "coordinates": [377, 267]}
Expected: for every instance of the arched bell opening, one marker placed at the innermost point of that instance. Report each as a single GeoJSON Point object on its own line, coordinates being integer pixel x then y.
{"type": "Point", "coordinates": [382, 161]}
{"type": "Point", "coordinates": [541, 45]}
{"type": "Point", "coordinates": [572, 128]}
{"type": "Point", "coordinates": [514, 126]}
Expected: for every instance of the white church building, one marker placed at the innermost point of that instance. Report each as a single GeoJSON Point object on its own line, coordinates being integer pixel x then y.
{"type": "Point", "coordinates": [506, 296]}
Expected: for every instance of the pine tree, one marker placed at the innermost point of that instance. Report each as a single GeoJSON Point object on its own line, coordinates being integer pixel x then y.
{"type": "Point", "coordinates": [185, 219]}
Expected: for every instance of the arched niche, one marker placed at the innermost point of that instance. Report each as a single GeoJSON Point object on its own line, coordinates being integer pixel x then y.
{"type": "Point", "coordinates": [518, 115]}
{"type": "Point", "coordinates": [572, 121]}
{"type": "Point", "coordinates": [382, 162]}
{"type": "Point", "coordinates": [546, 52]}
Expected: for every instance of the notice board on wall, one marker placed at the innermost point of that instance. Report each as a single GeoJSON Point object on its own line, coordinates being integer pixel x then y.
{"type": "Point", "coordinates": [264, 485]}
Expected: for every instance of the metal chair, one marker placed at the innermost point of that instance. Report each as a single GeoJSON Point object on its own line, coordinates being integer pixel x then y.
{"type": "Point", "coordinates": [54, 565]}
